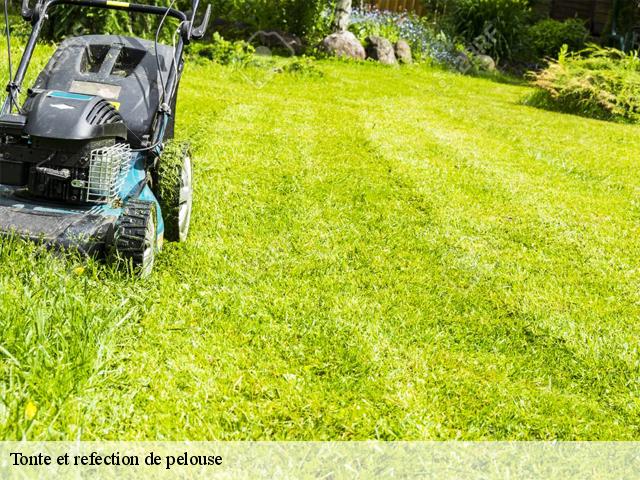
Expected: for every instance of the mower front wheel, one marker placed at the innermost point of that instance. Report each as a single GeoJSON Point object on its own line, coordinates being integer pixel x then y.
{"type": "Point", "coordinates": [174, 190]}
{"type": "Point", "coordinates": [135, 240]}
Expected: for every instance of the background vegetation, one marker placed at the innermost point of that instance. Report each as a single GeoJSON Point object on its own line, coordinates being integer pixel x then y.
{"type": "Point", "coordinates": [502, 21]}
{"type": "Point", "coordinates": [238, 18]}
{"type": "Point", "coordinates": [547, 37]}
{"type": "Point", "coordinates": [597, 82]}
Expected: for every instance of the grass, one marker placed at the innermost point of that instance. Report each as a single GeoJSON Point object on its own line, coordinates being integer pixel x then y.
{"type": "Point", "coordinates": [378, 253]}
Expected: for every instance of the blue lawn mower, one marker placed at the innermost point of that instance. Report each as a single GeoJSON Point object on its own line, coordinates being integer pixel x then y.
{"type": "Point", "coordinates": [87, 162]}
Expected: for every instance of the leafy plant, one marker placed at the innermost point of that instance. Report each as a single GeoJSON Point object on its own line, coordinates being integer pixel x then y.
{"type": "Point", "coordinates": [496, 24]}
{"type": "Point", "coordinates": [547, 37]}
{"type": "Point", "coordinates": [375, 22]}
{"type": "Point", "coordinates": [222, 51]}
{"type": "Point", "coordinates": [65, 21]}
{"type": "Point", "coordinates": [299, 17]}
{"type": "Point", "coordinates": [427, 43]}
{"type": "Point", "coordinates": [303, 67]}
{"type": "Point", "coordinates": [597, 82]}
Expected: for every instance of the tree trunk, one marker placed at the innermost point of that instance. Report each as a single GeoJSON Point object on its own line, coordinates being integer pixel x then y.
{"type": "Point", "coordinates": [343, 14]}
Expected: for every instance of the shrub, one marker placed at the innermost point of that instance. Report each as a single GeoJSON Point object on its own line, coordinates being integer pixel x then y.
{"type": "Point", "coordinates": [299, 17]}
{"type": "Point", "coordinates": [597, 82]}
{"type": "Point", "coordinates": [493, 27]}
{"type": "Point", "coordinates": [303, 67]}
{"type": "Point", "coordinates": [222, 51]}
{"type": "Point", "coordinates": [547, 36]}
{"type": "Point", "coordinates": [18, 28]}
{"type": "Point", "coordinates": [370, 22]}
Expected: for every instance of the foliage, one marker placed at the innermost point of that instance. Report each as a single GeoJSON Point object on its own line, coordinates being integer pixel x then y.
{"type": "Point", "coordinates": [301, 17]}
{"type": "Point", "coordinates": [547, 37]}
{"type": "Point", "coordinates": [373, 22]}
{"type": "Point", "coordinates": [598, 82]}
{"type": "Point", "coordinates": [427, 44]}
{"type": "Point", "coordinates": [625, 15]}
{"type": "Point", "coordinates": [498, 25]}
{"type": "Point", "coordinates": [303, 67]}
{"type": "Point", "coordinates": [222, 51]}
{"type": "Point", "coordinates": [437, 11]}
{"type": "Point", "coordinates": [19, 29]}
{"type": "Point", "coordinates": [66, 21]}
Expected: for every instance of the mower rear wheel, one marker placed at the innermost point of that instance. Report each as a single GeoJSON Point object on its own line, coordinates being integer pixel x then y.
{"type": "Point", "coordinates": [174, 190]}
{"type": "Point", "coordinates": [135, 238]}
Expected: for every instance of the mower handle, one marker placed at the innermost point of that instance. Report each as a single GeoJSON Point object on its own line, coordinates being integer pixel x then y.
{"type": "Point", "coordinates": [26, 12]}
{"type": "Point", "coordinates": [198, 32]}
{"type": "Point", "coordinates": [37, 15]}
{"type": "Point", "coordinates": [32, 14]}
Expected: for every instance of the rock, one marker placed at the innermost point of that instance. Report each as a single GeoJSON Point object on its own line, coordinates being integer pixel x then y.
{"type": "Point", "coordinates": [403, 52]}
{"type": "Point", "coordinates": [486, 63]}
{"type": "Point", "coordinates": [344, 44]}
{"type": "Point", "coordinates": [381, 49]}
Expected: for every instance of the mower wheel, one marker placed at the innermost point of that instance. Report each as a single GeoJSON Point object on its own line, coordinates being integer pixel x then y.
{"type": "Point", "coordinates": [135, 236]}
{"type": "Point", "coordinates": [174, 190]}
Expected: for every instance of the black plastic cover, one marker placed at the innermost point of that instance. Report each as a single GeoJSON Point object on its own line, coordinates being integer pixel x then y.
{"type": "Point", "coordinates": [64, 116]}
{"type": "Point", "coordinates": [12, 124]}
{"type": "Point", "coordinates": [123, 70]}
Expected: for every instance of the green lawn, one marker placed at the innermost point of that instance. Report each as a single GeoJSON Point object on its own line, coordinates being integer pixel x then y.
{"type": "Point", "coordinates": [379, 253]}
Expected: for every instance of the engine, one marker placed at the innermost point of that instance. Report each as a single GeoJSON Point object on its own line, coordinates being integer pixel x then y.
{"type": "Point", "coordinates": [66, 148]}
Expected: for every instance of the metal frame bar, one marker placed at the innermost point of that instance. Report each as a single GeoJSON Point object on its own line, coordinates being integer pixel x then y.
{"type": "Point", "coordinates": [38, 16]}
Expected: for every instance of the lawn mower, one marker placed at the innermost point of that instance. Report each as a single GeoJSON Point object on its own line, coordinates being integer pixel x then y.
{"type": "Point", "coordinates": [84, 161]}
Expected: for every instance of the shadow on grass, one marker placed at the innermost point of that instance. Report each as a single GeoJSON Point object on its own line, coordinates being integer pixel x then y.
{"type": "Point", "coordinates": [502, 77]}
{"type": "Point", "coordinates": [571, 106]}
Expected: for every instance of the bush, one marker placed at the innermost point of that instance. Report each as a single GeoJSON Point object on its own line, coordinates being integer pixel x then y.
{"type": "Point", "coordinates": [303, 67]}
{"type": "Point", "coordinates": [374, 22]}
{"type": "Point", "coordinates": [547, 36]}
{"type": "Point", "coordinates": [597, 82]}
{"type": "Point", "coordinates": [222, 51]}
{"type": "Point", "coordinates": [492, 27]}
{"type": "Point", "coordinates": [299, 17]}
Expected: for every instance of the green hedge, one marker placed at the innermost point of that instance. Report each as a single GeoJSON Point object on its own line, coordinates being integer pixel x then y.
{"type": "Point", "coordinates": [547, 37]}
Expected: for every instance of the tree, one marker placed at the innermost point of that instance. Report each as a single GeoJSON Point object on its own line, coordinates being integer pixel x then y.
{"type": "Point", "coordinates": [342, 16]}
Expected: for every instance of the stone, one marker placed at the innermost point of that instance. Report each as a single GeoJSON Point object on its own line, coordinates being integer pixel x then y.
{"type": "Point", "coordinates": [344, 44]}
{"type": "Point", "coordinates": [381, 49]}
{"type": "Point", "coordinates": [486, 63]}
{"type": "Point", "coordinates": [403, 52]}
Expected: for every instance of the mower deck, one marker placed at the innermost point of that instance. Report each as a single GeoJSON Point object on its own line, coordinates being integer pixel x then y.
{"type": "Point", "coordinates": [55, 225]}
